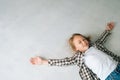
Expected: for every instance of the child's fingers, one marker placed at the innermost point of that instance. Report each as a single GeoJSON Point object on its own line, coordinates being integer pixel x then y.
{"type": "Point", "coordinates": [36, 60]}
{"type": "Point", "coordinates": [32, 60]}
{"type": "Point", "coordinates": [110, 25]}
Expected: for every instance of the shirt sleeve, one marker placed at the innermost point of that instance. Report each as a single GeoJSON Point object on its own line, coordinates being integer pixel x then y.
{"type": "Point", "coordinates": [102, 38]}
{"type": "Point", "coordinates": [64, 62]}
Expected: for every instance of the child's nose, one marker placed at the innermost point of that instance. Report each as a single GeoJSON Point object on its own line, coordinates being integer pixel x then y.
{"type": "Point", "coordinates": [83, 42]}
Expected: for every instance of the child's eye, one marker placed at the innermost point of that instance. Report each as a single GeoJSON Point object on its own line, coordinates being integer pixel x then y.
{"type": "Point", "coordinates": [79, 42]}
{"type": "Point", "coordinates": [84, 39]}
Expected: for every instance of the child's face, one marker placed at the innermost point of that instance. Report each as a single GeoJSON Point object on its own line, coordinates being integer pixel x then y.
{"type": "Point", "coordinates": [81, 44]}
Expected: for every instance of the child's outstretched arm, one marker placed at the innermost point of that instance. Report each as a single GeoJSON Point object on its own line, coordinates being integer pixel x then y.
{"type": "Point", "coordinates": [55, 62]}
{"type": "Point", "coordinates": [101, 40]}
{"type": "Point", "coordinates": [106, 33]}
{"type": "Point", "coordinates": [65, 61]}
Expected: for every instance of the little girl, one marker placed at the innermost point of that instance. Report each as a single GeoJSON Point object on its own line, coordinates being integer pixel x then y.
{"type": "Point", "coordinates": [94, 60]}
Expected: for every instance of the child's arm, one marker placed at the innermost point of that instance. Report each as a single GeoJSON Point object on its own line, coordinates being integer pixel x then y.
{"type": "Point", "coordinates": [64, 62]}
{"type": "Point", "coordinates": [101, 40]}
{"type": "Point", "coordinates": [55, 62]}
{"type": "Point", "coordinates": [105, 34]}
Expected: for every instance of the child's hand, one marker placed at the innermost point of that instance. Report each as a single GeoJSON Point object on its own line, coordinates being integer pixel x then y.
{"type": "Point", "coordinates": [36, 60]}
{"type": "Point", "coordinates": [110, 26]}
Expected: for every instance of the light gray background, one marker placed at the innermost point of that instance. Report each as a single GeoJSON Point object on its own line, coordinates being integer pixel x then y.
{"type": "Point", "coordinates": [42, 28]}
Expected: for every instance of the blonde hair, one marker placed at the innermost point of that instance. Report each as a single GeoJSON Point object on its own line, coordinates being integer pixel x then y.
{"type": "Point", "coordinates": [72, 37]}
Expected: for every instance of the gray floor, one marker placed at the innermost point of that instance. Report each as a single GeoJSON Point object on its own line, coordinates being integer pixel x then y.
{"type": "Point", "coordinates": [42, 27]}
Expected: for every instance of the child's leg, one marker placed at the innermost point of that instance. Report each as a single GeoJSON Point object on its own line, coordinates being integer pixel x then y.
{"type": "Point", "coordinates": [115, 75]}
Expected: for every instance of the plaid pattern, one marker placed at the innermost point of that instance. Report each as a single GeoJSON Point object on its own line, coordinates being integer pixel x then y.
{"type": "Point", "coordinates": [76, 59]}
{"type": "Point", "coordinates": [63, 62]}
